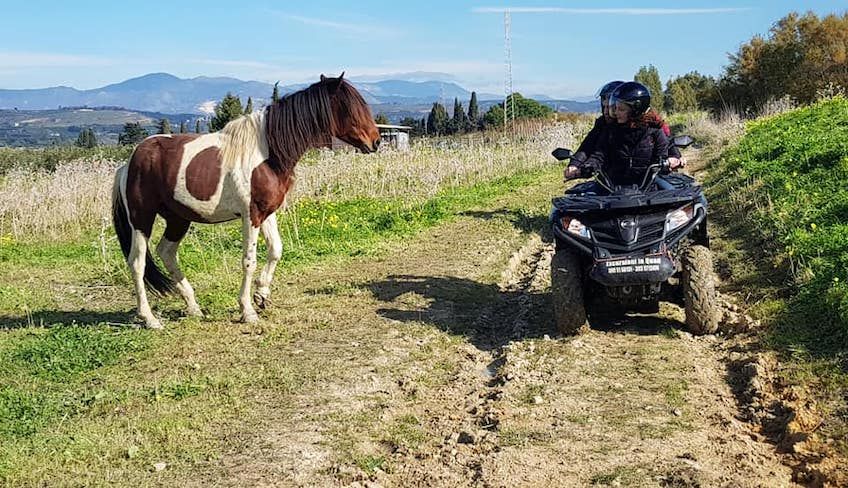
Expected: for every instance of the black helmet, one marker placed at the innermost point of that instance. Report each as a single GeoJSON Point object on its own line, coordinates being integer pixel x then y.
{"type": "Point", "coordinates": [607, 89]}
{"type": "Point", "coordinates": [634, 94]}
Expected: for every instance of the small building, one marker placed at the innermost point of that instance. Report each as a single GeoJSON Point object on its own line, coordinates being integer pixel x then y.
{"type": "Point", "coordinates": [394, 136]}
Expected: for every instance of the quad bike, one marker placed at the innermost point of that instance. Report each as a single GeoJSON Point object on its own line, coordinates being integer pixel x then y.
{"type": "Point", "coordinates": [623, 248]}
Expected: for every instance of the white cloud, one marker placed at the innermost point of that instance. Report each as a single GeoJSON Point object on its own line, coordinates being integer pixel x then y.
{"type": "Point", "coordinates": [614, 11]}
{"type": "Point", "coordinates": [18, 59]}
{"type": "Point", "coordinates": [234, 63]}
{"type": "Point", "coordinates": [360, 28]}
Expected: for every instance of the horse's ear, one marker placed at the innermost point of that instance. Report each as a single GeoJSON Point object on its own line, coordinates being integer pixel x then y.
{"type": "Point", "coordinates": [341, 75]}
{"type": "Point", "coordinates": [323, 78]}
{"type": "Point", "coordinates": [333, 84]}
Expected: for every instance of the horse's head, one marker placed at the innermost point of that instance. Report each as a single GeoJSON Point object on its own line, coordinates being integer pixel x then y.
{"type": "Point", "coordinates": [353, 121]}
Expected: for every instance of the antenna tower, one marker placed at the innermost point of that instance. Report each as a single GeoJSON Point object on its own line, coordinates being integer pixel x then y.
{"type": "Point", "coordinates": [509, 103]}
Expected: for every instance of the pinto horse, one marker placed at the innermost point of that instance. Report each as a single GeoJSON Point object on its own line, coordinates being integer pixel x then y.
{"type": "Point", "coordinates": [242, 172]}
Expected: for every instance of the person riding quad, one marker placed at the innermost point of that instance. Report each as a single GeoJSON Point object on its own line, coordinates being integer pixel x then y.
{"type": "Point", "coordinates": [635, 140]}
{"type": "Point", "coordinates": [589, 143]}
{"type": "Point", "coordinates": [608, 119]}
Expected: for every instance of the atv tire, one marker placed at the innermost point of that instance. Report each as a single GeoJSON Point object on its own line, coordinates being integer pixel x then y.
{"type": "Point", "coordinates": [699, 291]}
{"type": "Point", "coordinates": [567, 291]}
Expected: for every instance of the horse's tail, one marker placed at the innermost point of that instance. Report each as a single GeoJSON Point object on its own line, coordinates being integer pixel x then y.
{"type": "Point", "coordinates": [155, 279]}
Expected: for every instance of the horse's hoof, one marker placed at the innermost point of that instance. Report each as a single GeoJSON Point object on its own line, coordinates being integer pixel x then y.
{"type": "Point", "coordinates": [250, 318]}
{"type": "Point", "coordinates": [194, 312]}
{"type": "Point", "coordinates": [261, 301]}
{"type": "Point", "coordinates": [153, 324]}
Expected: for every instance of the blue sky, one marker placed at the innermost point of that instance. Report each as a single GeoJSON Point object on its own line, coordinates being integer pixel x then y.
{"type": "Point", "coordinates": [564, 49]}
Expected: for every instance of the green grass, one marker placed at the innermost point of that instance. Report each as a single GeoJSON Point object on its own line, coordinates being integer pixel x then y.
{"type": "Point", "coordinates": [782, 193]}
{"type": "Point", "coordinates": [80, 398]}
{"type": "Point", "coordinates": [795, 168]}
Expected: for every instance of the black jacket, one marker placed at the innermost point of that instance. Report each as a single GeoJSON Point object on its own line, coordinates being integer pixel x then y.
{"type": "Point", "coordinates": [590, 143]}
{"type": "Point", "coordinates": [623, 153]}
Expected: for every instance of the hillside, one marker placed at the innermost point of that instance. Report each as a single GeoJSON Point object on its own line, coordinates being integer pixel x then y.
{"type": "Point", "coordinates": [62, 126]}
{"type": "Point", "coordinates": [162, 92]}
{"type": "Point", "coordinates": [779, 195]}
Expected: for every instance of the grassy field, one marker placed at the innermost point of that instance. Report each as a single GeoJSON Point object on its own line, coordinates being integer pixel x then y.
{"type": "Point", "coordinates": [84, 399]}
{"type": "Point", "coordinates": [781, 194]}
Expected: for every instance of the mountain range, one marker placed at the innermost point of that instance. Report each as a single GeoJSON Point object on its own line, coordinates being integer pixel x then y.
{"type": "Point", "coordinates": [165, 93]}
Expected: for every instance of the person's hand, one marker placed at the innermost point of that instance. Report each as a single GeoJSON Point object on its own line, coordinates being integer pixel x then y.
{"type": "Point", "coordinates": [675, 163]}
{"type": "Point", "coordinates": [571, 172]}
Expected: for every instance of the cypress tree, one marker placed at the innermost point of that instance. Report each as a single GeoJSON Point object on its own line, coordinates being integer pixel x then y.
{"type": "Point", "coordinates": [473, 112]}
{"type": "Point", "coordinates": [86, 139]}
{"type": "Point", "coordinates": [275, 96]}
{"type": "Point", "coordinates": [437, 121]}
{"type": "Point", "coordinates": [92, 139]}
{"type": "Point", "coordinates": [458, 121]}
{"type": "Point", "coordinates": [163, 127]}
{"type": "Point", "coordinates": [249, 108]}
{"type": "Point", "coordinates": [197, 126]}
{"type": "Point", "coordinates": [183, 128]}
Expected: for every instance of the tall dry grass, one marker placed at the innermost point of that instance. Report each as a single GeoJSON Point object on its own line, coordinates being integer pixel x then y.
{"type": "Point", "coordinates": [74, 199]}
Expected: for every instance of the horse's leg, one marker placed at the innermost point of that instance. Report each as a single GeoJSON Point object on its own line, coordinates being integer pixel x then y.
{"type": "Point", "coordinates": [275, 251]}
{"type": "Point", "coordinates": [136, 259]}
{"type": "Point", "coordinates": [249, 237]}
{"type": "Point", "coordinates": [175, 230]}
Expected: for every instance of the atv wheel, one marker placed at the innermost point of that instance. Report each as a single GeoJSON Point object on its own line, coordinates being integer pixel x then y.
{"type": "Point", "coordinates": [567, 290]}
{"type": "Point", "coordinates": [699, 291]}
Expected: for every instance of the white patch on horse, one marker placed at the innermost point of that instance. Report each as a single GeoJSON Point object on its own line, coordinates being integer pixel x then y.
{"type": "Point", "coordinates": [232, 193]}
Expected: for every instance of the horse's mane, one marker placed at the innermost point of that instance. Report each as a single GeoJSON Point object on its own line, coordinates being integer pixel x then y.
{"type": "Point", "coordinates": [242, 136]}
{"type": "Point", "coordinates": [304, 119]}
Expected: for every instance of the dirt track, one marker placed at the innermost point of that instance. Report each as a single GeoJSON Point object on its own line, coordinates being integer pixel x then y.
{"type": "Point", "coordinates": [436, 364]}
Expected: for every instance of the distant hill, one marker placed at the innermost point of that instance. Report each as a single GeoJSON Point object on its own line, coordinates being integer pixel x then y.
{"type": "Point", "coordinates": [165, 93]}
{"type": "Point", "coordinates": [62, 126]}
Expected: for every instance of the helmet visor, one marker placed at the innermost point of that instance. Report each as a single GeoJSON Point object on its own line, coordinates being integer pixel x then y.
{"type": "Point", "coordinates": [617, 105]}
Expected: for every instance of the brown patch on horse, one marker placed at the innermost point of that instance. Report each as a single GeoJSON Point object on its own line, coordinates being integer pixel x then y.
{"type": "Point", "coordinates": [268, 189]}
{"type": "Point", "coordinates": [155, 160]}
{"type": "Point", "coordinates": [203, 173]}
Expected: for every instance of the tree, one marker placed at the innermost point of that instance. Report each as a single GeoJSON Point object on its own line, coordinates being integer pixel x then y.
{"type": "Point", "coordinates": [249, 108]}
{"type": "Point", "coordinates": [228, 109]}
{"type": "Point", "coordinates": [437, 122]}
{"type": "Point", "coordinates": [86, 139]}
{"type": "Point", "coordinates": [457, 123]}
{"type": "Point", "coordinates": [801, 57]}
{"type": "Point", "coordinates": [650, 77]}
{"type": "Point", "coordinates": [680, 96]}
{"type": "Point", "coordinates": [703, 90]}
{"type": "Point", "coordinates": [381, 119]}
{"type": "Point", "coordinates": [197, 126]}
{"type": "Point", "coordinates": [133, 133]}
{"type": "Point", "coordinates": [494, 117]}
{"type": "Point", "coordinates": [163, 126]}
{"type": "Point", "coordinates": [525, 108]}
{"type": "Point", "coordinates": [183, 128]}
{"type": "Point", "coordinates": [275, 96]}
{"type": "Point", "coordinates": [473, 112]}
{"type": "Point", "coordinates": [414, 123]}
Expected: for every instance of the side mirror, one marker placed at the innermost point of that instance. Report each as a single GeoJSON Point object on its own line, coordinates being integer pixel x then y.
{"type": "Point", "coordinates": [682, 141]}
{"type": "Point", "coordinates": [561, 154]}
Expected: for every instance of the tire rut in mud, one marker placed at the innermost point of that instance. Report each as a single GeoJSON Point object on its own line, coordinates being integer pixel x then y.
{"type": "Point", "coordinates": [523, 312]}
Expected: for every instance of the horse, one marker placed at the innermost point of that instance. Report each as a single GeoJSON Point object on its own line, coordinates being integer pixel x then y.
{"type": "Point", "coordinates": [245, 171]}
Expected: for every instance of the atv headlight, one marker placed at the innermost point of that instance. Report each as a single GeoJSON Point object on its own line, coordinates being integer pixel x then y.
{"type": "Point", "coordinates": [575, 227]}
{"type": "Point", "coordinates": [678, 218]}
